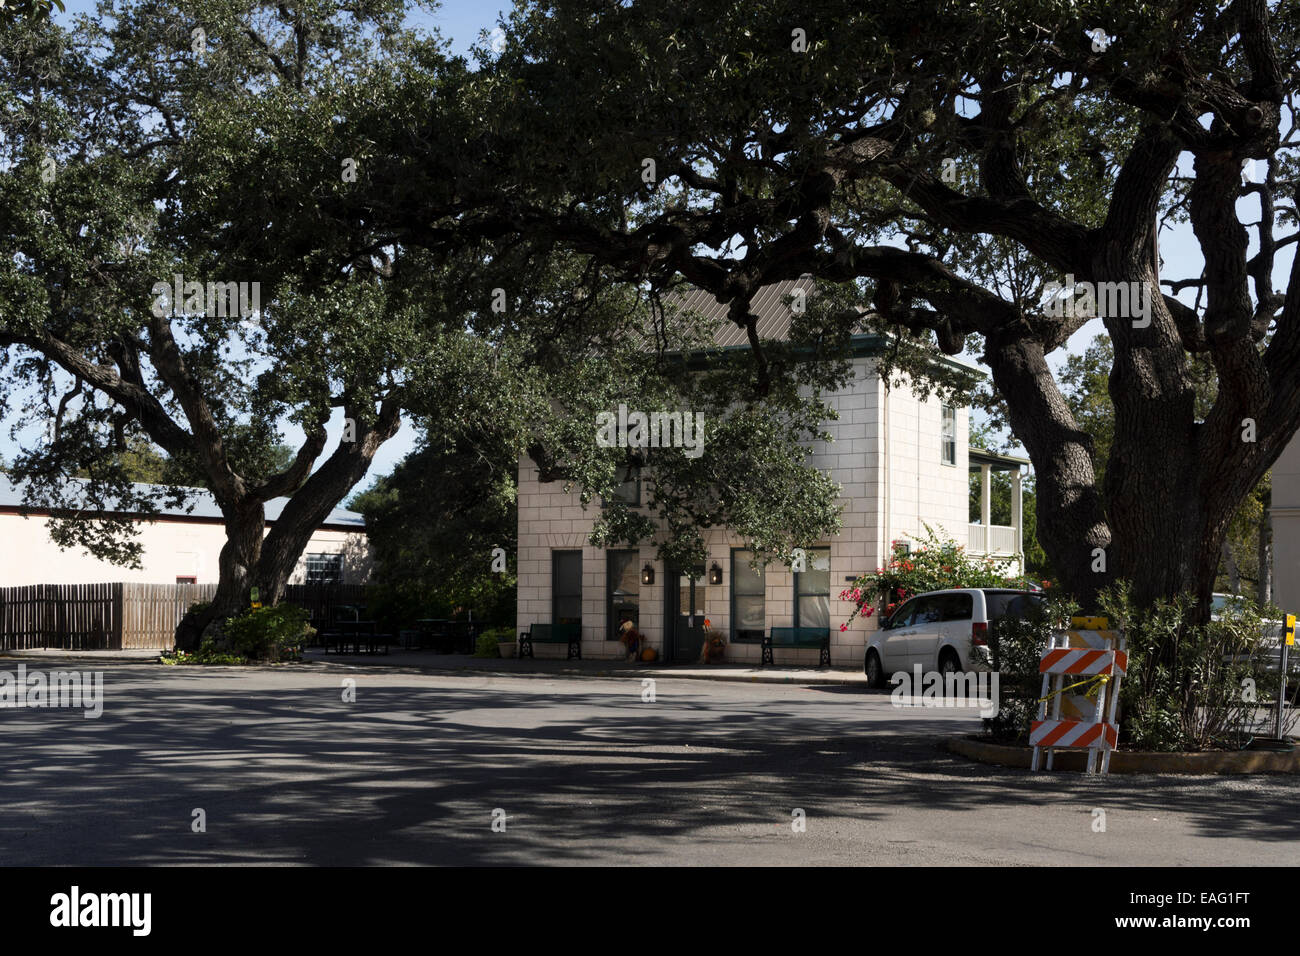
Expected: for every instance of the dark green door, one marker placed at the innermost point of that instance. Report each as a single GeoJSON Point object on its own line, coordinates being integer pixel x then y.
{"type": "Point", "coordinates": [685, 618]}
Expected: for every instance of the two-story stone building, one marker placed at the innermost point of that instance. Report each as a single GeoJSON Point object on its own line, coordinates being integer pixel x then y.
{"type": "Point", "coordinates": [902, 463]}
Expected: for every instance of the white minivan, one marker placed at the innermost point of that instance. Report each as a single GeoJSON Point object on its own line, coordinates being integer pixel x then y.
{"type": "Point", "coordinates": [942, 631]}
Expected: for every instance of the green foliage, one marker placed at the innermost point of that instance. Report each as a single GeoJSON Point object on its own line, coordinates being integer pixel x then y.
{"type": "Point", "coordinates": [268, 633]}
{"type": "Point", "coordinates": [753, 475]}
{"type": "Point", "coordinates": [1189, 686]}
{"type": "Point", "coordinates": [31, 9]}
{"type": "Point", "coordinates": [128, 156]}
{"type": "Point", "coordinates": [207, 654]}
{"type": "Point", "coordinates": [433, 524]}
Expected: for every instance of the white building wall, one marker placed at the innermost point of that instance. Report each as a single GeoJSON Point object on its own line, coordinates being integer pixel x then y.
{"type": "Point", "coordinates": [922, 489]}
{"type": "Point", "coordinates": [172, 549]}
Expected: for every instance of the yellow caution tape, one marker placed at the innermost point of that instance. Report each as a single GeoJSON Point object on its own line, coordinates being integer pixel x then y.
{"type": "Point", "coordinates": [1098, 680]}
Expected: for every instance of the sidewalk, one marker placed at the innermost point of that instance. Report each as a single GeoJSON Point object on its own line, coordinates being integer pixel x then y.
{"type": "Point", "coordinates": [515, 667]}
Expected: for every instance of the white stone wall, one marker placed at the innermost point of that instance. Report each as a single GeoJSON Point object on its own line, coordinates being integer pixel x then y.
{"type": "Point", "coordinates": [923, 490]}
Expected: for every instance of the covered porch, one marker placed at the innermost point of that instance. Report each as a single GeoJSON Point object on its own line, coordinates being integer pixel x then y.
{"type": "Point", "coordinates": [985, 537]}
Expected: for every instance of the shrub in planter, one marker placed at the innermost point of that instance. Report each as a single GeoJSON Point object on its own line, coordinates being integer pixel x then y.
{"type": "Point", "coordinates": [490, 641]}
{"type": "Point", "coordinates": [1190, 686]}
{"type": "Point", "coordinates": [1186, 684]}
{"type": "Point", "coordinates": [268, 633]}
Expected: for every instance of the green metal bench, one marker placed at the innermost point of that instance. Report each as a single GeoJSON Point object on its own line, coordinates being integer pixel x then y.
{"type": "Point", "coordinates": [570, 634]}
{"type": "Point", "coordinates": [818, 637]}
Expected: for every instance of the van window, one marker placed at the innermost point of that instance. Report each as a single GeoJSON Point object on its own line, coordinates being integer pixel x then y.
{"type": "Point", "coordinates": [1011, 604]}
{"type": "Point", "coordinates": [956, 607]}
{"type": "Point", "coordinates": [929, 610]}
{"type": "Point", "coordinates": [903, 616]}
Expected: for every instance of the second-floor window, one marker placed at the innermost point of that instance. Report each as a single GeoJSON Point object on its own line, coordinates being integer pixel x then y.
{"type": "Point", "coordinates": [948, 436]}
{"type": "Point", "coordinates": [629, 490]}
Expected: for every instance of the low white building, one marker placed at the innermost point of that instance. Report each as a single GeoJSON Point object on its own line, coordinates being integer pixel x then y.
{"type": "Point", "coordinates": [902, 463]}
{"type": "Point", "coordinates": [180, 546]}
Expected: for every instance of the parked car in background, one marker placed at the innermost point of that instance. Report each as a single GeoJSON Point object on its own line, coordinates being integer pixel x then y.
{"type": "Point", "coordinates": [1270, 648]}
{"type": "Point", "coordinates": [945, 631]}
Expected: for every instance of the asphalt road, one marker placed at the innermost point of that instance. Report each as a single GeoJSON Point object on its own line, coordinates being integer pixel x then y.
{"type": "Point", "coordinates": [585, 771]}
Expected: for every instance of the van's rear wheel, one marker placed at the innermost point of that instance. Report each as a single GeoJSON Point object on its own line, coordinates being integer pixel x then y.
{"type": "Point", "coordinates": [873, 669]}
{"type": "Point", "coordinates": [948, 664]}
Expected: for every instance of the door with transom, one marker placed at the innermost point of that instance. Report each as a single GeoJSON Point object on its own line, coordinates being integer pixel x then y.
{"type": "Point", "coordinates": [684, 621]}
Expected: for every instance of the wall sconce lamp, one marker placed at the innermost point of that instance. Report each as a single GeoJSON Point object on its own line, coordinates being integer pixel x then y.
{"type": "Point", "coordinates": [715, 574]}
{"type": "Point", "coordinates": [647, 574]}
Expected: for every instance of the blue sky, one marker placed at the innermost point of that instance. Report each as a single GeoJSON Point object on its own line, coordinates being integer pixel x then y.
{"type": "Point", "coordinates": [460, 21]}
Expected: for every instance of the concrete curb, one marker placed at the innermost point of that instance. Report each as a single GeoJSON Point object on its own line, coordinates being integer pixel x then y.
{"type": "Point", "coordinates": [625, 673]}
{"type": "Point", "coordinates": [1128, 761]}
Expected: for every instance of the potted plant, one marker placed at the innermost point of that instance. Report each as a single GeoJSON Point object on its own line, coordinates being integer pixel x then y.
{"type": "Point", "coordinates": [507, 642]}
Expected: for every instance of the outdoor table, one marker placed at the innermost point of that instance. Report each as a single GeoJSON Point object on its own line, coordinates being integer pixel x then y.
{"type": "Point", "coordinates": [435, 631]}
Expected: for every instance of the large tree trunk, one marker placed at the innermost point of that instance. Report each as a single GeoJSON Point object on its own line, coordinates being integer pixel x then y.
{"type": "Point", "coordinates": [1071, 520]}
{"type": "Point", "coordinates": [240, 555]}
{"type": "Point", "coordinates": [253, 557]}
{"type": "Point", "coordinates": [1162, 517]}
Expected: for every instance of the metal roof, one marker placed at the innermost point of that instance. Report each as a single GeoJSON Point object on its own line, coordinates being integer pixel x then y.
{"type": "Point", "coordinates": [978, 456]}
{"type": "Point", "coordinates": [773, 315]}
{"type": "Point", "coordinates": [199, 505]}
{"type": "Point", "coordinates": [768, 305]}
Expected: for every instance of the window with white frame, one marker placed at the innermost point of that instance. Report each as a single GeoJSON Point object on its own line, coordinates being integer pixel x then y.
{"type": "Point", "coordinates": [324, 568]}
{"type": "Point", "coordinates": [748, 598]}
{"type": "Point", "coordinates": [948, 436]}
{"type": "Point", "coordinates": [812, 590]}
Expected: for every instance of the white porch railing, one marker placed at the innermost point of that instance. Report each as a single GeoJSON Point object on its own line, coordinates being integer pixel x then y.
{"type": "Point", "coordinates": [993, 539]}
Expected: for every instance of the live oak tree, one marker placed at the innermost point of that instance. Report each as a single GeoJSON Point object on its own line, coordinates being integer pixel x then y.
{"type": "Point", "coordinates": [958, 164]}
{"type": "Point", "coordinates": [127, 148]}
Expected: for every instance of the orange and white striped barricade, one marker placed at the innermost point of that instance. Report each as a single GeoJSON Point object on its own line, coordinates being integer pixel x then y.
{"type": "Point", "coordinates": [1093, 660]}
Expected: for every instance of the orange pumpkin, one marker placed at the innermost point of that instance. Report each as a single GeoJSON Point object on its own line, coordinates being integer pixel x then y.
{"type": "Point", "coordinates": [649, 654]}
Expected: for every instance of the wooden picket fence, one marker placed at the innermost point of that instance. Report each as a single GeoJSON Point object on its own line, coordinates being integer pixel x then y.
{"type": "Point", "coordinates": [127, 615]}
{"type": "Point", "coordinates": [151, 612]}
